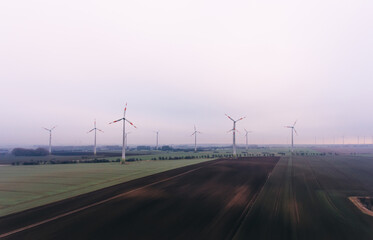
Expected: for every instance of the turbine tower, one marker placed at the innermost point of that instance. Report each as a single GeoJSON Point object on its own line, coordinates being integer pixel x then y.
{"type": "Point", "coordinates": [195, 138]}
{"type": "Point", "coordinates": [95, 129]}
{"type": "Point", "coordinates": [247, 138]}
{"type": "Point", "coordinates": [124, 119]}
{"type": "Point", "coordinates": [156, 140]}
{"type": "Point", "coordinates": [50, 138]}
{"type": "Point", "coordinates": [127, 139]}
{"type": "Point", "coordinates": [292, 135]}
{"type": "Point", "coordinates": [234, 133]}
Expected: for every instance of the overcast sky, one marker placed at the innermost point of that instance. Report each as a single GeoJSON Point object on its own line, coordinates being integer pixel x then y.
{"type": "Point", "coordinates": [180, 63]}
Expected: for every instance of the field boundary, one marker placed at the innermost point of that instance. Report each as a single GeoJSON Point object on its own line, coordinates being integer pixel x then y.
{"type": "Point", "coordinates": [357, 203]}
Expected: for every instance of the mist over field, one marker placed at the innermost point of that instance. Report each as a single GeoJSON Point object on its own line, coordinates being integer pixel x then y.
{"type": "Point", "coordinates": [180, 63]}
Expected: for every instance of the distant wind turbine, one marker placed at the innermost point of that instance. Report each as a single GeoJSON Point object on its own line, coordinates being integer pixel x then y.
{"type": "Point", "coordinates": [124, 119]}
{"type": "Point", "coordinates": [156, 140]}
{"type": "Point", "coordinates": [50, 138]}
{"type": "Point", "coordinates": [247, 138]}
{"type": "Point", "coordinates": [95, 129]}
{"type": "Point", "coordinates": [234, 133]}
{"type": "Point", "coordinates": [292, 135]}
{"type": "Point", "coordinates": [195, 138]}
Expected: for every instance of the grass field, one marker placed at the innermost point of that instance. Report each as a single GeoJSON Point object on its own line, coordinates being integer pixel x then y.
{"type": "Point", "coordinates": [23, 187]}
{"type": "Point", "coordinates": [307, 198]}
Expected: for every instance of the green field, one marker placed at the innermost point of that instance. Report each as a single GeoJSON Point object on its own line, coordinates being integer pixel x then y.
{"type": "Point", "coordinates": [23, 187]}
{"type": "Point", "coordinates": [151, 154]}
{"type": "Point", "coordinates": [306, 198]}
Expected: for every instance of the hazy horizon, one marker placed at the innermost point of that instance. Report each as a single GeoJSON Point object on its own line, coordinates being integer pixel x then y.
{"type": "Point", "coordinates": [180, 63]}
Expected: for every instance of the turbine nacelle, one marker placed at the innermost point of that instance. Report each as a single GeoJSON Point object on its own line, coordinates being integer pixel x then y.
{"type": "Point", "coordinates": [195, 131]}
{"type": "Point", "coordinates": [50, 130]}
{"type": "Point", "coordinates": [233, 119]}
{"type": "Point", "coordinates": [247, 132]}
{"type": "Point", "coordinates": [95, 128]}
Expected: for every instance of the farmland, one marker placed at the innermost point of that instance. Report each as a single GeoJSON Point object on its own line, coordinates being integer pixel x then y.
{"type": "Point", "coordinates": [23, 187]}
{"type": "Point", "coordinates": [206, 200]}
{"type": "Point", "coordinates": [307, 198]}
{"type": "Point", "coordinates": [304, 197]}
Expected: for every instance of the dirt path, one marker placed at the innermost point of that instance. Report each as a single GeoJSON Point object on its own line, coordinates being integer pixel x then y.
{"type": "Point", "coordinates": [360, 206]}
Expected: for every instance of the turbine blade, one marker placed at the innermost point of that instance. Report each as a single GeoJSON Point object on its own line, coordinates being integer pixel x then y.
{"type": "Point", "coordinates": [99, 130]}
{"type": "Point", "coordinates": [240, 119]}
{"type": "Point", "coordinates": [195, 128]}
{"type": "Point", "coordinates": [46, 129]}
{"type": "Point", "coordinates": [229, 117]}
{"type": "Point", "coordinates": [130, 123]}
{"type": "Point", "coordinates": [295, 123]}
{"type": "Point", "coordinates": [116, 121]}
{"type": "Point", "coordinates": [295, 131]}
{"type": "Point", "coordinates": [125, 110]}
{"type": "Point", "coordinates": [90, 130]}
{"type": "Point", "coordinates": [53, 127]}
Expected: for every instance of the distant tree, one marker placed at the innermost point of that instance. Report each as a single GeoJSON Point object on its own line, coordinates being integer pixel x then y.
{"type": "Point", "coordinates": [143, 148]}
{"type": "Point", "coordinates": [166, 148]}
{"type": "Point", "coordinates": [29, 152]}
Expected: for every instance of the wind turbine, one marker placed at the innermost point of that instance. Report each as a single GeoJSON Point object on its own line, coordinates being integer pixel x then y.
{"type": "Point", "coordinates": [124, 119]}
{"type": "Point", "coordinates": [156, 140]}
{"type": "Point", "coordinates": [292, 135]}
{"type": "Point", "coordinates": [95, 129]}
{"type": "Point", "coordinates": [195, 138]}
{"type": "Point", "coordinates": [247, 137]}
{"type": "Point", "coordinates": [234, 133]}
{"type": "Point", "coordinates": [50, 138]}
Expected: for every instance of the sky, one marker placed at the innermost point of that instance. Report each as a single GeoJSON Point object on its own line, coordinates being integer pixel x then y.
{"type": "Point", "coordinates": [180, 63]}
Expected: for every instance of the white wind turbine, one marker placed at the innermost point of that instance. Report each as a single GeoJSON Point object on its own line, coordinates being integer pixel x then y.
{"type": "Point", "coordinates": [292, 135]}
{"type": "Point", "coordinates": [95, 129]}
{"type": "Point", "coordinates": [156, 139]}
{"type": "Point", "coordinates": [50, 138]}
{"type": "Point", "coordinates": [234, 133]}
{"type": "Point", "coordinates": [195, 138]}
{"type": "Point", "coordinates": [124, 119]}
{"type": "Point", "coordinates": [247, 138]}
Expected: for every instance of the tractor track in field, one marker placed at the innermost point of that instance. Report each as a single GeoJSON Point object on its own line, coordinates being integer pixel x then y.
{"type": "Point", "coordinates": [247, 210]}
